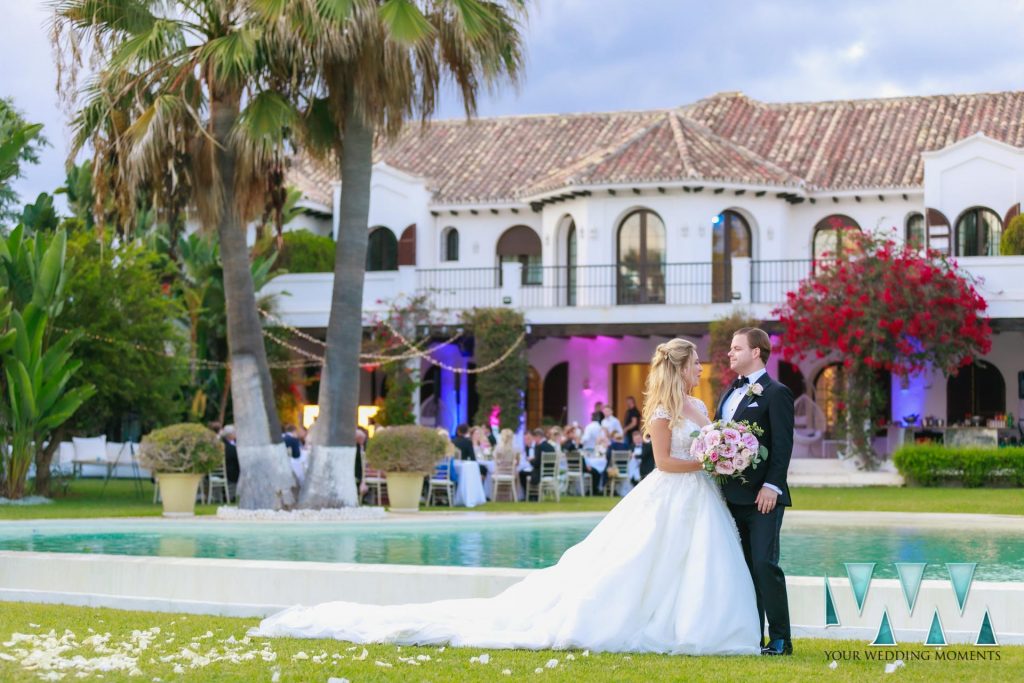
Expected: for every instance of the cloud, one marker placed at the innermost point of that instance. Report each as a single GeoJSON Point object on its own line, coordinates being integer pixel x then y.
{"type": "Point", "coordinates": [601, 55]}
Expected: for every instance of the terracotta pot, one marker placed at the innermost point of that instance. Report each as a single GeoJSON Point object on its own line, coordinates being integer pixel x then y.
{"type": "Point", "coordinates": [178, 492]}
{"type": "Point", "coordinates": [404, 489]}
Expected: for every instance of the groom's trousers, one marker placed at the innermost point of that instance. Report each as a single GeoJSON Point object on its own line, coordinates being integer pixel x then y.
{"type": "Point", "coordinates": [759, 535]}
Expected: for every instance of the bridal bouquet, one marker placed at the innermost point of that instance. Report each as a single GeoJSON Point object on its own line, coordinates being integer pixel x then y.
{"type": "Point", "coordinates": [727, 448]}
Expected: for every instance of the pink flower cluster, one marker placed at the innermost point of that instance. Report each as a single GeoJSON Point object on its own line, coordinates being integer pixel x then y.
{"type": "Point", "coordinates": [727, 448]}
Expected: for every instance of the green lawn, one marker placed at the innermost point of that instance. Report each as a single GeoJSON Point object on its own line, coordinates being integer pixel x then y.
{"type": "Point", "coordinates": [201, 648]}
{"type": "Point", "coordinates": [87, 498]}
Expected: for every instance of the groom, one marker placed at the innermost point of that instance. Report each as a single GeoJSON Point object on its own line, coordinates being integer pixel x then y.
{"type": "Point", "coordinates": [758, 504]}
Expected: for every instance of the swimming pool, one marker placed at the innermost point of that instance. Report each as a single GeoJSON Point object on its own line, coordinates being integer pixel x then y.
{"type": "Point", "coordinates": [521, 542]}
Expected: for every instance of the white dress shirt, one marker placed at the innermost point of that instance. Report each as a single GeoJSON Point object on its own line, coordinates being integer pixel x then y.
{"type": "Point", "coordinates": [732, 402]}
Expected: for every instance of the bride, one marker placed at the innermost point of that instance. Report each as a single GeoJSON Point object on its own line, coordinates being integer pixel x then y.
{"type": "Point", "coordinates": [662, 572]}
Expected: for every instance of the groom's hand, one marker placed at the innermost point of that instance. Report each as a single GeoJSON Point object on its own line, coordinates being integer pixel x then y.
{"type": "Point", "coordinates": [765, 500]}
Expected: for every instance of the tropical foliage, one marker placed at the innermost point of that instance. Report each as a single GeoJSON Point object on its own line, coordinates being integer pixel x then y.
{"type": "Point", "coordinates": [19, 144]}
{"type": "Point", "coordinates": [884, 307]}
{"type": "Point", "coordinates": [37, 360]}
{"type": "Point", "coordinates": [721, 332]}
{"type": "Point", "coordinates": [1012, 241]}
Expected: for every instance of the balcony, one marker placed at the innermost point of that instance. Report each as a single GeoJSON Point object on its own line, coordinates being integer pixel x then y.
{"type": "Point", "coordinates": [678, 292]}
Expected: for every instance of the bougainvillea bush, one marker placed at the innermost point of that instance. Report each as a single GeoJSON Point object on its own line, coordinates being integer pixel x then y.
{"type": "Point", "coordinates": [884, 306]}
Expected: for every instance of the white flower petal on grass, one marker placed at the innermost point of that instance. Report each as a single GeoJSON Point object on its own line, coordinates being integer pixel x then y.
{"type": "Point", "coordinates": [300, 655]}
{"type": "Point", "coordinates": [361, 656]}
{"type": "Point", "coordinates": [179, 669]}
{"type": "Point", "coordinates": [423, 658]}
{"type": "Point", "coordinates": [332, 679]}
{"type": "Point", "coordinates": [441, 649]}
{"type": "Point", "coordinates": [485, 658]}
{"type": "Point", "coordinates": [834, 665]}
{"type": "Point", "coordinates": [570, 657]}
{"type": "Point", "coordinates": [506, 672]}
{"type": "Point", "coordinates": [552, 663]}
{"type": "Point", "coordinates": [890, 668]}
{"type": "Point", "coordinates": [538, 670]}
{"type": "Point", "coordinates": [276, 676]}
{"type": "Point", "coordinates": [386, 665]}
{"type": "Point", "coordinates": [31, 625]}
{"type": "Point", "coordinates": [586, 653]}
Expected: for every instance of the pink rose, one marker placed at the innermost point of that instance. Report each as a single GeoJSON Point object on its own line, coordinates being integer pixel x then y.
{"type": "Point", "coordinates": [730, 435]}
{"type": "Point", "coordinates": [725, 467]}
{"type": "Point", "coordinates": [741, 461]}
{"type": "Point", "coordinates": [713, 438]}
{"type": "Point", "coordinates": [697, 447]}
{"type": "Point", "coordinates": [714, 456]}
{"type": "Point", "coordinates": [749, 441]}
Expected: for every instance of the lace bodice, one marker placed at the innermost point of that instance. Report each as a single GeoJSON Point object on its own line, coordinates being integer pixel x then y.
{"type": "Point", "coordinates": [680, 446]}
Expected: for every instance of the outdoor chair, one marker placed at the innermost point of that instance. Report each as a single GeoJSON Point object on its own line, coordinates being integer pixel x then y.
{"type": "Point", "coordinates": [441, 482]}
{"type": "Point", "coordinates": [618, 471]}
{"type": "Point", "coordinates": [376, 482]}
{"type": "Point", "coordinates": [548, 478]}
{"type": "Point", "coordinates": [575, 474]}
{"type": "Point", "coordinates": [504, 477]}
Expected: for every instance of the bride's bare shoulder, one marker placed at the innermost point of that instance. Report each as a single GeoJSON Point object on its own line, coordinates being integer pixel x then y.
{"type": "Point", "coordinates": [699, 405]}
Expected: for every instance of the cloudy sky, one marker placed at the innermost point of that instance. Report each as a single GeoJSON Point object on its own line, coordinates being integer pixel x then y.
{"type": "Point", "coordinates": [601, 55]}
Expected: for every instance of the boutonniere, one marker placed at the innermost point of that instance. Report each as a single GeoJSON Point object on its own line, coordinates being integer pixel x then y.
{"type": "Point", "coordinates": [755, 389]}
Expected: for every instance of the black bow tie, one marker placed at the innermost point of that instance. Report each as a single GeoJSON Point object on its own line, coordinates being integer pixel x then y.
{"type": "Point", "coordinates": [739, 382]}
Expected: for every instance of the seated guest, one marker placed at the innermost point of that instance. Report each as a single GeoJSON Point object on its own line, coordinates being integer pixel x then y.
{"type": "Point", "coordinates": [482, 446]}
{"type": "Point", "coordinates": [602, 447]}
{"type": "Point", "coordinates": [618, 443]}
{"type": "Point", "coordinates": [538, 444]}
{"type": "Point", "coordinates": [231, 468]}
{"type": "Point", "coordinates": [571, 442]}
{"type": "Point", "coordinates": [465, 446]}
{"type": "Point", "coordinates": [646, 459]}
{"type": "Point", "coordinates": [361, 437]}
{"type": "Point", "coordinates": [525, 466]}
{"type": "Point", "coordinates": [555, 437]}
{"type": "Point", "coordinates": [609, 421]}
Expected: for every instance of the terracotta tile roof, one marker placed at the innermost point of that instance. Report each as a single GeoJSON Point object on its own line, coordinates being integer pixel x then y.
{"type": "Point", "coordinates": [725, 138]}
{"type": "Point", "coordinates": [860, 143]}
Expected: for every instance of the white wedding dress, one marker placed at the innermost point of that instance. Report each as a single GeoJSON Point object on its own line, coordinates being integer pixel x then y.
{"type": "Point", "coordinates": [662, 572]}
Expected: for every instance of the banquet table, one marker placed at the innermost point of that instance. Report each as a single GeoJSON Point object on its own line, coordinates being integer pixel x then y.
{"type": "Point", "coordinates": [469, 491]}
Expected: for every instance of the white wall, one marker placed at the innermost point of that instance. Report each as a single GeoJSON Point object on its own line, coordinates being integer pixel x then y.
{"type": "Point", "coordinates": [977, 171]}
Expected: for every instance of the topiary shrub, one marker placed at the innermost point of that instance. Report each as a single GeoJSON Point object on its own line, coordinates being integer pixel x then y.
{"type": "Point", "coordinates": [190, 448]}
{"type": "Point", "coordinates": [935, 465]}
{"type": "Point", "coordinates": [1012, 242]}
{"type": "Point", "coordinates": [406, 448]}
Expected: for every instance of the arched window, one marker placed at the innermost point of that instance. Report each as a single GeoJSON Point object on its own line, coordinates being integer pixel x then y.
{"type": "Point", "coordinates": [977, 390]}
{"type": "Point", "coordinates": [830, 392]}
{"type": "Point", "coordinates": [382, 250]}
{"type": "Point", "coordinates": [730, 239]}
{"type": "Point", "coordinates": [533, 398]}
{"type": "Point", "coordinates": [978, 232]}
{"type": "Point", "coordinates": [450, 244]}
{"type": "Point", "coordinates": [407, 247]}
{"type": "Point", "coordinates": [570, 265]}
{"type": "Point", "coordinates": [915, 232]}
{"type": "Point", "coordinates": [832, 237]}
{"type": "Point", "coordinates": [520, 244]}
{"type": "Point", "coordinates": [555, 399]}
{"type": "Point", "coordinates": [641, 259]}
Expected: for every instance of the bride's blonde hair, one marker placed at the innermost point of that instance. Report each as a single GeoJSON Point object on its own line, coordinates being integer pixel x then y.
{"type": "Point", "coordinates": [665, 384]}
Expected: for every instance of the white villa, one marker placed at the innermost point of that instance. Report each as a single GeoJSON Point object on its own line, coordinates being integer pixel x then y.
{"type": "Point", "coordinates": [614, 231]}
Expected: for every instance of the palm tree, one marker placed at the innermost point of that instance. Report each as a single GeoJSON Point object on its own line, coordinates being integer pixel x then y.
{"type": "Point", "coordinates": [182, 90]}
{"type": "Point", "coordinates": [368, 68]}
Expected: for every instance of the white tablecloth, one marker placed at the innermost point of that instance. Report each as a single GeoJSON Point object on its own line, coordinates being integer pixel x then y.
{"type": "Point", "coordinates": [488, 480]}
{"type": "Point", "coordinates": [596, 463]}
{"type": "Point", "coordinates": [469, 491]}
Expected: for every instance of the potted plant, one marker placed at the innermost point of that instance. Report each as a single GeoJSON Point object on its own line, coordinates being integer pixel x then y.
{"type": "Point", "coordinates": [179, 456]}
{"type": "Point", "coordinates": [406, 454]}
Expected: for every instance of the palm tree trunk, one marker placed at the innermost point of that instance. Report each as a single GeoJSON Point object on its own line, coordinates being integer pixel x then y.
{"type": "Point", "coordinates": [330, 481]}
{"type": "Point", "coordinates": [265, 479]}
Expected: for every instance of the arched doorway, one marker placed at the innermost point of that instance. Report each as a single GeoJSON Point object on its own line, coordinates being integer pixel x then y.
{"type": "Point", "coordinates": [641, 259]}
{"type": "Point", "coordinates": [556, 394]}
{"type": "Point", "coordinates": [730, 239]}
{"type": "Point", "coordinates": [520, 244]}
{"type": "Point", "coordinates": [830, 392]}
{"type": "Point", "coordinates": [979, 389]}
{"type": "Point", "coordinates": [790, 375]}
{"type": "Point", "coordinates": [533, 398]}
{"type": "Point", "coordinates": [381, 250]}
{"type": "Point", "coordinates": [978, 232]}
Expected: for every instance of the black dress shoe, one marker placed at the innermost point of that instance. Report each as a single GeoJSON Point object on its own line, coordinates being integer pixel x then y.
{"type": "Point", "coordinates": [778, 647]}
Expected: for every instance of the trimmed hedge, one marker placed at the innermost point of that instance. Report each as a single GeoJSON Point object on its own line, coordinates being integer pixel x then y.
{"type": "Point", "coordinates": [934, 465]}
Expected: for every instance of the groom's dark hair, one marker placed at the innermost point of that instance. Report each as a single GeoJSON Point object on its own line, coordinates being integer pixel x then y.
{"type": "Point", "coordinates": [758, 339]}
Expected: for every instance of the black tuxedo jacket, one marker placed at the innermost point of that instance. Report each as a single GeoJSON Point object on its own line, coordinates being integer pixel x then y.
{"type": "Point", "coordinates": [772, 411]}
{"type": "Point", "coordinates": [533, 455]}
{"type": "Point", "coordinates": [465, 447]}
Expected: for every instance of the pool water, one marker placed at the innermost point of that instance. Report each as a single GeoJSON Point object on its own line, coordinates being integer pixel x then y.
{"type": "Point", "coordinates": [524, 543]}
